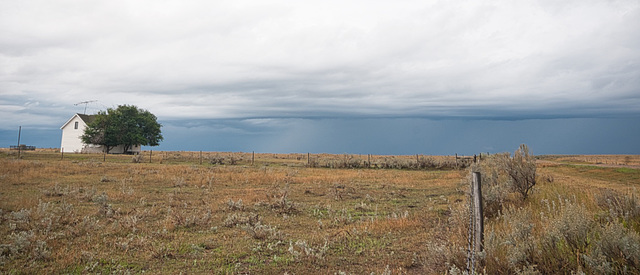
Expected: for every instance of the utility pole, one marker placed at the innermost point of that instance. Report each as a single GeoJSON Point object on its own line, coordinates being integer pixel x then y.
{"type": "Point", "coordinates": [19, 132]}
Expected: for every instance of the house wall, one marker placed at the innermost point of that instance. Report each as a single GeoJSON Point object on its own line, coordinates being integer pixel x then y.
{"type": "Point", "coordinates": [71, 142]}
{"type": "Point", "coordinates": [120, 149]}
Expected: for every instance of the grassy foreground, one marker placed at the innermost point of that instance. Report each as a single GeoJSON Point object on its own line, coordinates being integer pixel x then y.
{"type": "Point", "coordinates": [78, 214]}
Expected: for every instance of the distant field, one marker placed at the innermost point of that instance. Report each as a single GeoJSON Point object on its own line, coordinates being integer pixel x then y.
{"type": "Point", "coordinates": [629, 160]}
{"type": "Point", "coordinates": [241, 158]}
{"type": "Point", "coordinates": [237, 213]}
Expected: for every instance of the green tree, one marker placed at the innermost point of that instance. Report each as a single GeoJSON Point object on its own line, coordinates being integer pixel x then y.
{"type": "Point", "coordinates": [126, 125]}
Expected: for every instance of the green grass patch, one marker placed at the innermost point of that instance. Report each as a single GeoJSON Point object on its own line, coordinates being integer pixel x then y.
{"type": "Point", "coordinates": [628, 171]}
{"type": "Point", "coordinates": [619, 175]}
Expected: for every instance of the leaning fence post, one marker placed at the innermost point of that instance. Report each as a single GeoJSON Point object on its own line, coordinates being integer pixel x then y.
{"type": "Point", "coordinates": [476, 223]}
{"type": "Point", "coordinates": [19, 147]}
{"type": "Point", "coordinates": [477, 212]}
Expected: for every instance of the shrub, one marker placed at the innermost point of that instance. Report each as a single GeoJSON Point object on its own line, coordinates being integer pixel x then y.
{"type": "Point", "coordinates": [136, 158]}
{"type": "Point", "coordinates": [283, 205]}
{"type": "Point", "coordinates": [25, 244]}
{"type": "Point", "coordinates": [233, 160]}
{"type": "Point", "coordinates": [567, 230]}
{"type": "Point", "coordinates": [621, 208]}
{"type": "Point", "coordinates": [511, 244]}
{"type": "Point", "coordinates": [505, 178]}
{"type": "Point", "coordinates": [306, 250]}
{"type": "Point", "coordinates": [238, 205]}
{"type": "Point", "coordinates": [217, 160]}
{"type": "Point", "coordinates": [279, 200]}
{"type": "Point", "coordinates": [563, 235]}
{"type": "Point", "coordinates": [179, 182]}
{"type": "Point", "coordinates": [20, 242]}
{"type": "Point", "coordinates": [21, 219]}
{"type": "Point", "coordinates": [313, 163]}
{"type": "Point", "coordinates": [261, 231]}
{"type": "Point", "coordinates": [105, 209]}
{"type": "Point", "coordinates": [496, 185]}
{"type": "Point", "coordinates": [348, 162]}
{"type": "Point", "coordinates": [56, 191]}
{"type": "Point", "coordinates": [178, 218]}
{"type": "Point", "coordinates": [521, 168]}
{"type": "Point", "coordinates": [616, 252]}
{"type": "Point", "coordinates": [241, 219]}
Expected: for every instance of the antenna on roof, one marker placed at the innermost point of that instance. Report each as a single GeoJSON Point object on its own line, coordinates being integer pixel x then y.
{"type": "Point", "coordinates": [85, 105]}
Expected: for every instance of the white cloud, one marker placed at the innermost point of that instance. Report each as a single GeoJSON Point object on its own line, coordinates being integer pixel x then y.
{"type": "Point", "coordinates": [246, 59]}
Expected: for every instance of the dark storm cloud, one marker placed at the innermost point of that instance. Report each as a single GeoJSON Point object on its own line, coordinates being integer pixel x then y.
{"type": "Point", "coordinates": [289, 61]}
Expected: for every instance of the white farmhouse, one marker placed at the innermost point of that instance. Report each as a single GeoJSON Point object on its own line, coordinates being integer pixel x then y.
{"type": "Point", "coordinates": [73, 129]}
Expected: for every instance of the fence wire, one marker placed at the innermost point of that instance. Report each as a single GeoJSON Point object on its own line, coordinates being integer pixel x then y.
{"type": "Point", "coordinates": [471, 259]}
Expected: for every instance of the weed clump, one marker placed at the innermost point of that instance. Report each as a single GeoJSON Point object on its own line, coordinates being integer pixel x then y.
{"type": "Point", "coordinates": [179, 182]}
{"type": "Point", "coordinates": [506, 180]}
{"type": "Point", "coordinates": [617, 252]}
{"type": "Point", "coordinates": [563, 236]}
{"type": "Point", "coordinates": [261, 231]}
{"type": "Point", "coordinates": [104, 208]}
{"type": "Point", "coordinates": [216, 160]}
{"type": "Point", "coordinates": [278, 201]}
{"type": "Point", "coordinates": [521, 168]}
{"type": "Point", "coordinates": [236, 219]}
{"type": "Point", "coordinates": [621, 208]}
{"type": "Point", "coordinates": [301, 249]}
{"type": "Point", "coordinates": [177, 217]}
{"type": "Point", "coordinates": [235, 206]}
{"type": "Point", "coordinates": [547, 234]}
{"type": "Point", "coordinates": [136, 158]}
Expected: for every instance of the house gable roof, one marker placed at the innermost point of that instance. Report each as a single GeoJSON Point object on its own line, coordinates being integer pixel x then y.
{"type": "Point", "coordinates": [85, 118]}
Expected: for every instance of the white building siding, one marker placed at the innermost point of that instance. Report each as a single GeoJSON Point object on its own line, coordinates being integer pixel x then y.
{"type": "Point", "coordinates": [72, 143]}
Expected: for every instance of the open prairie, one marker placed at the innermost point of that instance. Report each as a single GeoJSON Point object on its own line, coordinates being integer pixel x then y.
{"type": "Point", "coordinates": [244, 213]}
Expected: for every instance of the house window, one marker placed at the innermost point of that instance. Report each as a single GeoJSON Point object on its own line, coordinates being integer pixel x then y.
{"type": "Point", "coordinates": [75, 126]}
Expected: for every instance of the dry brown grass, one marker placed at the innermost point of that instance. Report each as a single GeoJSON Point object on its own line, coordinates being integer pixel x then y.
{"type": "Point", "coordinates": [568, 223]}
{"type": "Point", "coordinates": [82, 215]}
{"type": "Point", "coordinates": [631, 160]}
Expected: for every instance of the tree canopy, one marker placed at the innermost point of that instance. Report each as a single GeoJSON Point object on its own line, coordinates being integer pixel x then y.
{"type": "Point", "coordinates": [126, 125]}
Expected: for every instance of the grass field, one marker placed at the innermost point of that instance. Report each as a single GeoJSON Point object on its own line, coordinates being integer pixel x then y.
{"type": "Point", "coordinates": [277, 214]}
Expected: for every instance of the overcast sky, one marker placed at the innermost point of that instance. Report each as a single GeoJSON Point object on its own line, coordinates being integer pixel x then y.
{"type": "Point", "coordinates": [388, 77]}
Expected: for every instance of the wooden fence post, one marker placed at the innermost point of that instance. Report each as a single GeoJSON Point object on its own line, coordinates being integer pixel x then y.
{"type": "Point", "coordinates": [456, 160]}
{"type": "Point", "coordinates": [478, 218]}
{"type": "Point", "coordinates": [19, 133]}
{"type": "Point", "coordinates": [253, 157]}
{"type": "Point", "coordinates": [150, 154]}
{"type": "Point", "coordinates": [62, 155]}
